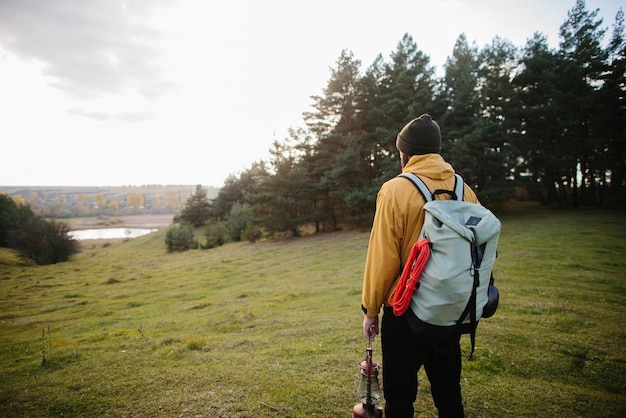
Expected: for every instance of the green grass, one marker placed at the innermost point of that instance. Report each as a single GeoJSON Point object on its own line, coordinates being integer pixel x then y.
{"type": "Point", "coordinates": [273, 329]}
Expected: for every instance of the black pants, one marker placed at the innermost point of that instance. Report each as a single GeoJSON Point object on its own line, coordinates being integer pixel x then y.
{"type": "Point", "coordinates": [404, 352]}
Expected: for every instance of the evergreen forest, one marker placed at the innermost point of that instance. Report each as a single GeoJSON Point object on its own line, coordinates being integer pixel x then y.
{"type": "Point", "coordinates": [530, 123]}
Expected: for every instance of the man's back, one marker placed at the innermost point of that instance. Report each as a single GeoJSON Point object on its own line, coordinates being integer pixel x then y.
{"type": "Point", "coordinates": [397, 223]}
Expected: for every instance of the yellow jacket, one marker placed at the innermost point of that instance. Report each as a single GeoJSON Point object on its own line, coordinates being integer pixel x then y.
{"type": "Point", "coordinates": [397, 223]}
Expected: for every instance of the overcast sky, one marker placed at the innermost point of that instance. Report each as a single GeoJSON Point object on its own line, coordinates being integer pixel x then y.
{"type": "Point", "coordinates": [133, 92]}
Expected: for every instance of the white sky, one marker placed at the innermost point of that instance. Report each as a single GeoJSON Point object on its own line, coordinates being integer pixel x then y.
{"type": "Point", "coordinates": [133, 92]}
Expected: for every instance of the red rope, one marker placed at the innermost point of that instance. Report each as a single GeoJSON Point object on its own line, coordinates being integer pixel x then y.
{"type": "Point", "coordinates": [400, 298]}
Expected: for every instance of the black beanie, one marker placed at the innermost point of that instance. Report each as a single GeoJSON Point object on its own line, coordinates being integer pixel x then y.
{"type": "Point", "coordinates": [420, 136]}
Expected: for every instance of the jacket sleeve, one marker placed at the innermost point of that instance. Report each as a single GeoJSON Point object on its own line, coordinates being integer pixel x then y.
{"type": "Point", "coordinates": [383, 262]}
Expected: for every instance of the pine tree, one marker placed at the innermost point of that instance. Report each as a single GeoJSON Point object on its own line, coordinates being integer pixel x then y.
{"type": "Point", "coordinates": [399, 91]}
{"type": "Point", "coordinates": [461, 123]}
{"type": "Point", "coordinates": [538, 143]}
{"type": "Point", "coordinates": [337, 126]}
{"type": "Point", "coordinates": [610, 123]}
{"type": "Point", "coordinates": [580, 77]}
{"type": "Point", "coordinates": [493, 139]}
{"type": "Point", "coordinates": [197, 208]}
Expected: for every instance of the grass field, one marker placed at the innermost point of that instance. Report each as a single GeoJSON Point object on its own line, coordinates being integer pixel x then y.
{"type": "Point", "coordinates": [273, 329]}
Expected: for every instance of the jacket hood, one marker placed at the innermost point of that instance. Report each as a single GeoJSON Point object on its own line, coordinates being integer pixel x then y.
{"type": "Point", "coordinates": [430, 165]}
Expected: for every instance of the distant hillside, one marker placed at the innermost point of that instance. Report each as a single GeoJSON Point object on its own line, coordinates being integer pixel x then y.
{"type": "Point", "coordinates": [71, 201]}
{"type": "Point", "coordinates": [150, 190]}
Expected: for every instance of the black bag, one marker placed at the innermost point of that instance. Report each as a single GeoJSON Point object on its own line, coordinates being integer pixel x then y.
{"type": "Point", "coordinates": [493, 297]}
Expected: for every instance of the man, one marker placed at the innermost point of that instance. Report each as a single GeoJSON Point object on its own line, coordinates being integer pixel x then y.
{"type": "Point", "coordinates": [397, 223]}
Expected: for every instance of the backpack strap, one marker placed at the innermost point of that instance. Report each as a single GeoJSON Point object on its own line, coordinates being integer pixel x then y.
{"type": "Point", "coordinates": [456, 194]}
{"type": "Point", "coordinates": [470, 309]}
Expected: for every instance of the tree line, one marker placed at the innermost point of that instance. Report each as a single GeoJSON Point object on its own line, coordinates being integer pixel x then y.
{"type": "Point", "coordinates": [538, 123]}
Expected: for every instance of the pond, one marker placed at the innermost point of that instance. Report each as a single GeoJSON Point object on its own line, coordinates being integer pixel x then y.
{"type": "Point", "coordinates": [110, 233]}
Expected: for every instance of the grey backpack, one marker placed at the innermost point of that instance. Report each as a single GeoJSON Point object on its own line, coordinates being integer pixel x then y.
{"type": "Point", "coordinates": [454, 285]}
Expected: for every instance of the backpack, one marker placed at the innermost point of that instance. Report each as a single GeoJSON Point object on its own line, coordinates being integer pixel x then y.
{"type": "Point", "coordinates": [458, 241]}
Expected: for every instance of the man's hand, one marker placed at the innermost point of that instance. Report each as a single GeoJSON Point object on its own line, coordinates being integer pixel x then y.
{"type": "Point", "coordinates": [370, 327]}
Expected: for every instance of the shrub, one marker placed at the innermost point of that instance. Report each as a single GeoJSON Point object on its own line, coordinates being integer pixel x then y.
{"type": "Point", "coordinates": [251, 233]}
{"type": "Point", "coordinates": [44, 242]}
{"type": "Point", "coordinates": [216, 235]}
{"type": "Point", "coordinates": [236, 221]}
{"type": "Point", "coordinates": [180, 237]}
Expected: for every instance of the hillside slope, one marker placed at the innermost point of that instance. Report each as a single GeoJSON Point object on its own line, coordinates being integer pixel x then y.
{"type": "Point", "coordinates": [274, 328]}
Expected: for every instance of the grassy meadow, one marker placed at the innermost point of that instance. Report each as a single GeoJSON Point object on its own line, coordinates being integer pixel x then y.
{"type": "Point", "coordinates": [273, 329]}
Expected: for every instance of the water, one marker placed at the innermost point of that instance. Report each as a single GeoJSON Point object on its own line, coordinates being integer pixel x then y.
{"type": "Point", "coordinates": [110, 233]}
